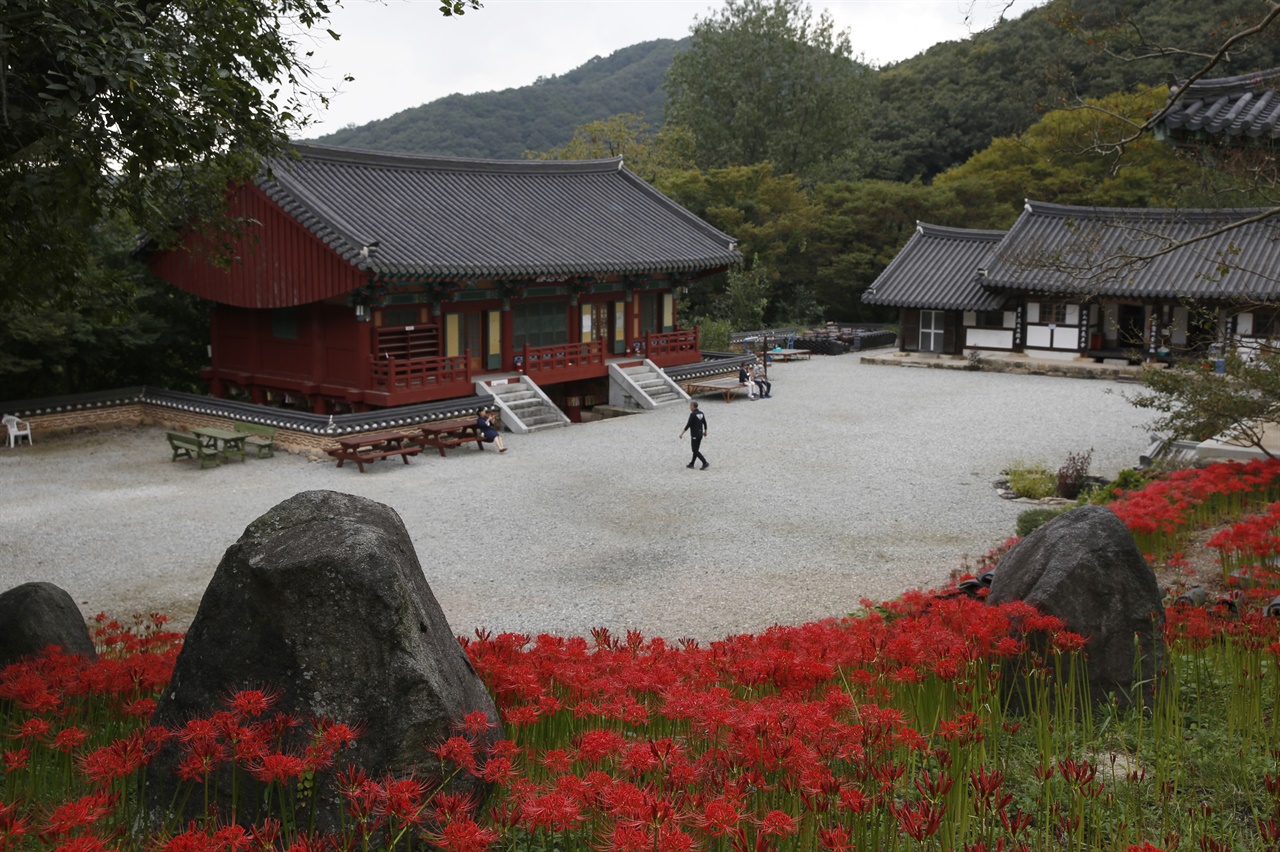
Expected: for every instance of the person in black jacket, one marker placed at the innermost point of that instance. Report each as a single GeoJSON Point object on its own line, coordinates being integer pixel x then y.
{"type": "Point", "coordinates": [697, 429]}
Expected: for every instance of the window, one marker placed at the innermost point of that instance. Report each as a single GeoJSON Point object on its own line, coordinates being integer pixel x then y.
{"type": "Point", "coordinates": [399, 316]}
{"type": "Point", "coordinates": [1053, 312]}
{"type": "Point", "coordinates": [1266, 323]}
{"type": "Point", "coordinates": [650, 312]}
{"type": "Point", "coordinates": [539, 324]}
{"type": "Point", "coordinates": [991, 319]}
{"type": "Point", "coordinates": [284, 323]}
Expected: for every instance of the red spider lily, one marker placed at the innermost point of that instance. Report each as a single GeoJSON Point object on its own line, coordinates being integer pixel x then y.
{"type": "Point", "coordinates": [77, 814]}
{"type": "Point", "coordinates": [34, 728]}
{"type": "Point", "coordinates": [934, 788]}
{"type": "Point", "coordinates": [778, 824]}
{"type": "Point", "coordinates": [15, 759]}
{"type": "Point", "coordinates": [594, 746]}
{"type": "Point", "coordinates": [451, 806]}
{"type": "Point", "coordinates": [458, 751]}
{"type": "Point", "coordinates": [835, 839]}
{"type": "Point", "coordinates": [1145, 847]}
{"type": "Point", "coordinates": [1066, 642]}
{"type": "Point", "coordinates": [69, 739]}
{"type": "Point", "coordinates": [194, 839]}
{"type": "Point", "coordinates": [920, 819]}
{"type": "Point", "coordinates": [1079, 773]}
{"type": "Point", "coordinates": [1015, 823]}
{"type": "Point", "coordinates": [463, 835]}
{"type": "Point", "coordinates": [629, 838]}
{"type": "Point", "coordinates": [252, 703]}
{"type": "Point", "coordinates": [84, 843]}
{"type": "Point", "coordinates": [277, 768]}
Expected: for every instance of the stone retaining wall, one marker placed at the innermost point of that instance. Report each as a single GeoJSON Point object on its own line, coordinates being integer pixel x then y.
{"type": "Point", "coordinates": [147, 414]}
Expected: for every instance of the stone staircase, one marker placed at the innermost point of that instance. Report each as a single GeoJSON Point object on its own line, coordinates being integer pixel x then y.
{"type": "Point", "coordinates": [642, 385]}
{"type": "Point", "coordinates": [525, 408]}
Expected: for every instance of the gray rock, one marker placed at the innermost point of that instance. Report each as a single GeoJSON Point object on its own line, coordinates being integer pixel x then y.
{"type": "Point", "coordinates": [1084, 568]}
{"type": "Point", "coordinates": [34, 616]}
{"type": "Point", "coordinates": [323, 602]}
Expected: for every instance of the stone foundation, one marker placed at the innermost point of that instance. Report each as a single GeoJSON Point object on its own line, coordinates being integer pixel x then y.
{"type": "Point", "coordinates": [146, 414]}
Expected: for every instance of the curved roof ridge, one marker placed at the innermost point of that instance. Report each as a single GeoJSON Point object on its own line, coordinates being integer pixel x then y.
{"type": "Point", "coordinates": [955, 233]}
{"type": "Point", "coordinates": [1226, 85]}
{"type": "Point", "coordinates": [1083, 211]}
{"type": "Point", "coordinates": [404, 160]}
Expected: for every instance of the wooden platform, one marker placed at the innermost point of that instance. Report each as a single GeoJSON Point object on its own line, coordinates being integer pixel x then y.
{"type": "Point", "coordinates": [723, 385]}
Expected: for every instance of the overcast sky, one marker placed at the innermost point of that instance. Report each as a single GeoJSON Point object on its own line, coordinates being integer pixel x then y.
{"type": "Point", "coordinates": [404, 53]}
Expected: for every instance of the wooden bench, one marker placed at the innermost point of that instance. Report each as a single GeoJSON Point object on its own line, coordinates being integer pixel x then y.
{"type": "Point", "coordinates": [374, 446]}
{"type": "Point", "coordinates": [451, 433]}
{"type": "Point", "coordinates": [261, 438]}
{"type": "Point", "coordinates": [787, 354]}
{"type": "Point", "coordinates": [189, 447]}
{"type": "Point", "coordinates": [726, 386]}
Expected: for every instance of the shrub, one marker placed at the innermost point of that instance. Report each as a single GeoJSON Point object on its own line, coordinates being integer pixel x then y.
{"type": "Point", "coordinates": [714, 335]}
{"type": "Point", "coordinates": [1031, 519]}
{"type": "Point", "coordinates": [1129, 479]}
{"type": "Point", "coordinates": [1073, 474]}
{"type": "Point", "coordinates": [1032, 481]}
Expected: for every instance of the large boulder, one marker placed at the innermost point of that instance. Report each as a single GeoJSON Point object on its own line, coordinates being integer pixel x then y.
{"type": "Point", "coordinates": [322, 602]}
{"type": "Point", "coordinates": [1084, 568]}
{"type": "Point", "coordinates": [34, 616]}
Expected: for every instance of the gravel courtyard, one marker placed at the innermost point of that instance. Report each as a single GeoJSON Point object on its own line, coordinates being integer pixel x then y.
{"type": "Point", "coordinates": [854, 481]}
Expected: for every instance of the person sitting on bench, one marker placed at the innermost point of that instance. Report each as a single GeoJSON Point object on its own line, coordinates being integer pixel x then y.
{"type": "Point", "coordinates": [484, 425]}
{"type": "Point", "coordinates": [744, 378]}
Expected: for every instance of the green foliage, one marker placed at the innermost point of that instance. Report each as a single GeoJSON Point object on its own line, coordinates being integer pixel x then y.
{"type": "Point", "coordinates": [1129, 479]}
{"type": "Point", "coordinates": [1062, 159]}
{"type": "Point", "coordinates": [1196, 403]}
{"type": "Point", "coordinates": [865, 223]}
{"type": "Point", "coordinates": [647, 153]}
{"type": "Point", "coordinates": [1032, 519]}
{"type": "Point", "coordinates": [129, 329]}
{"type": "Point", "coordinates": [762, 81]}
{"type": "Point", "coordinates": [143, 108]}
{"type": "Point", "coordinates": [744, 299]}
{"type": "Point", "coordinates": [1032, 481]}
{"type": "Point", "coordinates": [714, 335]}
{"type": "Point", "coordinates": [934, 110]}
{"type": "Point", "coordinates": [538, 117]}
{"type": "Point", "coordinates": [773, 217]}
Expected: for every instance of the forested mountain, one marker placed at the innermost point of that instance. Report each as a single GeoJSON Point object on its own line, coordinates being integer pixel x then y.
{"type": "Point", "coordinates": [532, 118]}
{"type": "Point", "coordinates": [929, 113]}
{"type": "Point", "coordinates": [937, 109]}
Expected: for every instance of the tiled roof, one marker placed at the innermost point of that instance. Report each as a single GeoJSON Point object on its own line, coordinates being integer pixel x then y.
{"type": "Point", "coordinates": [451, 217]}
{"type": "Point", "coordinates": [938, 269]}
{"type": "Point", "coordinates": [1243, 106]}
{"type": "Point", "coordinates": [1055, 248]}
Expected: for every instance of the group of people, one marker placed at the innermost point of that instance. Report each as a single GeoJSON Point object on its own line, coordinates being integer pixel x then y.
{"type": "Point", "coordinates": [755, 380]}
{"type": "Point", "coordinates": [758, 387]}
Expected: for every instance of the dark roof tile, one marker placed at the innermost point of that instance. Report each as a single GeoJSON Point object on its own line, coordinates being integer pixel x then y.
{"type": "Point", "coordinates": [938, 269]}
{"type": "Point", "coordinates": [439, 216]}
{"type": "Point", "coordinates": [1139, 253]}
{"type": "Point", "coordinates": [1243, 106]}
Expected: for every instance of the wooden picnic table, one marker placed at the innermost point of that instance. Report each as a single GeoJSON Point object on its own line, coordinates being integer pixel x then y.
{"type": "Point", "coordinates": [224, 442]}
{"type": "Point", "coordinates": [371, 446]}
{"type": "Point", "coordinates": [451, 433]}
{"type": "Point", "coordinates": [788, 354]}
{"type": "Point", "coordinates": [723, 385]}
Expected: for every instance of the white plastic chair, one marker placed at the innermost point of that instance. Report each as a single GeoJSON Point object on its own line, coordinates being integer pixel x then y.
{"type": "Point", "coordinates": [17, 429]}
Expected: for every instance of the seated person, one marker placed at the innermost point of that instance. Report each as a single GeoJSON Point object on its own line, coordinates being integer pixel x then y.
{"type": "Point", "coordinates": [765, 386]}
{"type": "Point", "coordinates": [744, 378]}
{"type": "Point", "coordinates": [484, 424]}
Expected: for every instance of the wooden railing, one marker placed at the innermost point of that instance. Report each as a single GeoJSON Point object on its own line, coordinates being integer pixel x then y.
{"type": "Point", "coordinates": [563, 357]}
{"type": "Point", "coordinates": [657, 344]}
{"type": "Point", "coordinates": [392, 374]}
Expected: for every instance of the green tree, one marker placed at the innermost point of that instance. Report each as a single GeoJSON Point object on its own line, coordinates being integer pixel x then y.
{"type": "Point", "coordinates": [139, 106]}
{"type": "Point", "coordinates": [648, 153]}
{"type": "Point", "coordinates": [1057, 160]}
{"type": "Point", "coordinates": [773, 217]}
{"type": "Point", "coordinates": [762, 81]}
{"type": "Point", "coordinates": [1195, 402]}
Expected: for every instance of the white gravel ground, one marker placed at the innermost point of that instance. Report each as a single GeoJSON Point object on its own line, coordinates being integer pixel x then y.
{"type": "Point", "coordinates": [853, 481]}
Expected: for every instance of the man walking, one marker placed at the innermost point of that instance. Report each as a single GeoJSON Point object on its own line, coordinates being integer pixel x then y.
{"type": "Point", "coordinates": [697, 429]}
